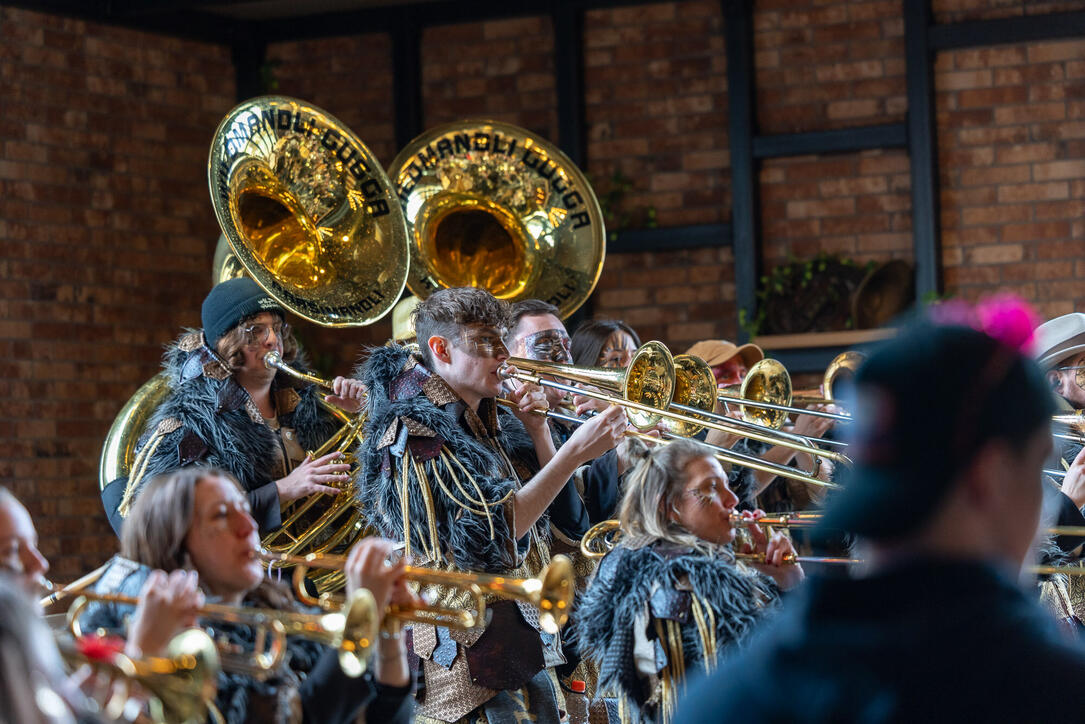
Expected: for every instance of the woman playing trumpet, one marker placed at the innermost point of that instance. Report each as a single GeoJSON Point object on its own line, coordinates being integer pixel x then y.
{"type": "Point", "coordinates": [672, 586]}
{"type": "Point", "coordinates": [198, 520]}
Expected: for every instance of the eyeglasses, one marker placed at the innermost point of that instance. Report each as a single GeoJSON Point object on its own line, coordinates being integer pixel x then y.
{"type": "Point", "coordinates": [1079, 376]}
{"type": "Point", "coordinates": [259, 333]}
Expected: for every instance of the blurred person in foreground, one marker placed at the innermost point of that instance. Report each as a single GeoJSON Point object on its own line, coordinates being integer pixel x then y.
{"type": "Point", "coordinates": [952, 427]}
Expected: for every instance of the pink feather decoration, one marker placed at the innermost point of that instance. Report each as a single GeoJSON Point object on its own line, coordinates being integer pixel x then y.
{"type": "Point", "coordinates": [1006, 318]}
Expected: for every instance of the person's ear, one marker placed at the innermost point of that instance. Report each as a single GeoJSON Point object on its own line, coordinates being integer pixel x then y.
{"type": "Point", "coordinates": [1053, 379]}
{"type": "Point", "coordinates": [983, 479]}
{"type": "Point", "coordinates": [439, 348]}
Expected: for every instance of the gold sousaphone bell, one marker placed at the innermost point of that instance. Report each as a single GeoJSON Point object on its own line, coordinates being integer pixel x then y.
{"type": "Point", "coordinates": [492, 205]}
{"type": "Point", "coordinates": [308, 212]}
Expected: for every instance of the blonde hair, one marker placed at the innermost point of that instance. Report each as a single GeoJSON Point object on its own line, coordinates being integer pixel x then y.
{"type": "Point", "coordinates": [652, 491]}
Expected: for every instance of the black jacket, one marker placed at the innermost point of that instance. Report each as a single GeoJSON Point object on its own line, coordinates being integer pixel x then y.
{"type": "Point", "coordinates": [310, 675]}
{"type": "Point", "coordinates": [930, 640]}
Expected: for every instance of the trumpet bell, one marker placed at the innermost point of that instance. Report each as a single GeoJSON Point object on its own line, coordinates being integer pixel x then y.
{"type": "Point", "coordinates": [361, 624]}
{"type": "Point", "coordinates": [492, 205]}
{"type": "Point", "coordinates": [649, 380]}
{"type": "Point", "coordinates": [306, 210]}
{"type": "Point", "coordinates": [556, 592]}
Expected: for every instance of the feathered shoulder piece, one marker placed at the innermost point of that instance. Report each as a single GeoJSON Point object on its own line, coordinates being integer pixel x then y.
{"type": "Point", "coordinates": [688, 606]}
{"type": "Point", "coordinates": [426, 479]}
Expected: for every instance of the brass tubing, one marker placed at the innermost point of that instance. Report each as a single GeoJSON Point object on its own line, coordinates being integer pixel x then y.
{"type": "Point", "coordinates": [721, 453]}
{"type": "Point", "coordinates": [732, 429]}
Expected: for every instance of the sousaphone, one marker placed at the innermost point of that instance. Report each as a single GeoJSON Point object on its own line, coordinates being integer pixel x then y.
{"type": "Point", "coordinates": [492, 205]}
{"type": "Point", "coordinates": [307, 212]}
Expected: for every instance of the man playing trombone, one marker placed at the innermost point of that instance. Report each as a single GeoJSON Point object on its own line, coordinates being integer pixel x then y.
{"type": "Point", "coordinates": [465, 485]}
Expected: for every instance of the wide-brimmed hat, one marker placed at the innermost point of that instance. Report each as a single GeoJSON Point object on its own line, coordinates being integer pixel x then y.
{"type": "Point", "coordinates": [717, 351]}
{"type": "Point", "coordinates": [1060, 338]}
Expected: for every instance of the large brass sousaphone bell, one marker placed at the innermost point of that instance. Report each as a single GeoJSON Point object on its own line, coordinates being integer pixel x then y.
{"type": "Point", "coordinates": [495, 206]}
{"type": "Point", "coordinates": [296, 193]}
{"type": "Point", "coordinates": [307, 212]}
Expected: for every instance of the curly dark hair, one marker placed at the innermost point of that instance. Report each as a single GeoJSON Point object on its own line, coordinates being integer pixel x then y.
{"type": "Point", "coordinates": [447, 311]}
{"type": "Point", "coordinates": [231, 344]}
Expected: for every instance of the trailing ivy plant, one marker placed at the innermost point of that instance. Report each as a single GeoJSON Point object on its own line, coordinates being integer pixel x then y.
{"type": "Point", "coordinates": [809, 295]}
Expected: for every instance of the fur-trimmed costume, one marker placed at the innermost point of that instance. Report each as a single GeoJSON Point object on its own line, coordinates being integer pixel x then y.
{"type": "Point", "coordinates": [441, 477]}
{"type": "Point", "coordinates": [210, 419]}
{"type": "Point", "coordinates": [654, 613]}
{"type": "Point", "coordinates": [310, 686]}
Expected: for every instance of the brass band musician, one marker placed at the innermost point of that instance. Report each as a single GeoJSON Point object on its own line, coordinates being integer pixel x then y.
{"type": "Point", "coordinates": [228, 409]}
{"type": "Point", "coordinates": [195, 523]}
{"type": "Point", "coordinates": [465, 485]}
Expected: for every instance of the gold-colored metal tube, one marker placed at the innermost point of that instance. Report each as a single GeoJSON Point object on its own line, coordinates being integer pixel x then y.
{"type": "Point", "coordinates": [551, 592]}
{"type": "Point", "coordinates": [721, 453]}
{"type": "Point", "coordinates": [602, 537]}
{"type": "Point", "coordinates": [765, 437]}
{"type": "Point", "coordinates": [352, 630]}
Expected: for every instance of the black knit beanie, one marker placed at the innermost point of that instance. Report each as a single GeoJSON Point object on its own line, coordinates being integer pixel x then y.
{"type": "Point", "coordinates": [230, 302]}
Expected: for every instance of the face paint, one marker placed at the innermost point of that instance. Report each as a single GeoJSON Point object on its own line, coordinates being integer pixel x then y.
{"type": "Point", "coordinates": [482, 342]}
{"type": "Point", "coordinates": [549, 345]}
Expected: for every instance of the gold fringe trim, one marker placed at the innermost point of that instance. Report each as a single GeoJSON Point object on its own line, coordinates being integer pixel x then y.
{"type": "Point", "coordinates": [139, 467]}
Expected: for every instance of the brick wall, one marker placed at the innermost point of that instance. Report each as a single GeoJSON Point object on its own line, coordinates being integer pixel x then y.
{"type": "Point", "coordinates": [830, 65]}
{"type": "Point", "coordinates": [1011, 134]}
{"type": "Point", "coordinates": [351, 78]}
{"type": "Point", "coordinates": [856, 205]}
{"type": "Point", "coordinates": [655, 88]}
{"type": "Point", "coordinates": [106, 230]}
{"type": "Point", "coordinates": [499, 69]}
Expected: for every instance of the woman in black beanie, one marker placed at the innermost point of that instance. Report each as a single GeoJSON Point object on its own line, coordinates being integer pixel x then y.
{"type": "Point", "coordinates": [229, 410]}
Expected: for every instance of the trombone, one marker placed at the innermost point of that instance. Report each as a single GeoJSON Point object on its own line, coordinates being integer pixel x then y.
{"type": "Point", "coordinates": [352, 630]}
{"type": "Point", "coordinates": [646, 377]}
{"type": "Point", "coordinates": [732, 457]}
{"type": "Point", "coordinates": [182, 685]}
{"type": "Point", "coordinates": [551, 591]}
{"type": "Point", "coordinates": [767, 386]}
{"type": "Point", "coordinates": [602, 537]}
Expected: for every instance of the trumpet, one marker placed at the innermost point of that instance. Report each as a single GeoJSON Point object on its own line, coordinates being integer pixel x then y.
{"type": "Point", "coordinates": [551, 591]}
{"type": "Point", "coordinates": [602, 537]}
{"type": "Point", "coordinates": [182, 685]}
{"type": "Point", "coordinates": [352, 630]}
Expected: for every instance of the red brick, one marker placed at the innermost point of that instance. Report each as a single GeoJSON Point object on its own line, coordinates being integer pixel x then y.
{"type": "Point", "coordinates": [1033, 192]}
{"type": "Point", "coordinates": [996, 254]}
